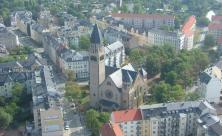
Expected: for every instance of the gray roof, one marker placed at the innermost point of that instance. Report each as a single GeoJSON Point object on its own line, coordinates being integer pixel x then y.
{"type": "Point", "coordinates": [204, 78]}
{"type": "Point", "coordinates": [38, 27]}
{"type": "Point", "coordinates": [163, 32]}
{"type": "Point", "coordinates": [113, 47]}
{"type": "Point", "coordinates": [70, 55]}
{"type": "Point", "coordinates": [216, 129]}
{"type": "Point", "coordinates": [96, 36]}
{"type": "Point", "coordinates": [164, 109]}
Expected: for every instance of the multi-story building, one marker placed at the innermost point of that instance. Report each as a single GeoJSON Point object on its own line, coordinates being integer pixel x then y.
{"type": "Point", "coordinates": [161, 37]}
{"type": "Point", "coordinates": [75, 61]}
{"type": "Point", "coordinates": [45, 18]}
{"type": "Point", "coordinates": [47, 111]}
{"type": "Point", "coordinates": [210, 84]}
{"type": "Point", "coordinates": [8, 38]}
{"type": "Point", "coordinates": [144, 21]}
{"type": "Point", "coordinates": [110, 87]}
{"type": "Point", "coordinates": [188, 30]}
{"type": "Point", "coordinates": [115, 54]}
{"type": "Point", "coordinates": [37, 31]}
{"type": "Point", "coordinates": [24, 21]}
{"type": "Point", "coordinates": [169, 119]}
{"type": "Point", "coordinates": [17, 72]}
{"type": "Point", "coordinates": [53, 46]}
{"type": "Point", "coordinates": [215, 28]}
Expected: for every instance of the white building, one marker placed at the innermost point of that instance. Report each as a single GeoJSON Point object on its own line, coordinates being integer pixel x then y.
{"type": "Point", "coordinates": [169, 119]}
{"type": "Point", "coordinates": [75, 61]}
{"type": "Point", "coordinates": [115, 54]}
{"type": "Point", "coordinates": [210, 84]}
{"type": "Point", "coordinates": [161, 37]}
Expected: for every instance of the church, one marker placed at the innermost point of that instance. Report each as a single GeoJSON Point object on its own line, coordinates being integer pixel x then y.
{"type": "Point", "coordinates": [113, 88]}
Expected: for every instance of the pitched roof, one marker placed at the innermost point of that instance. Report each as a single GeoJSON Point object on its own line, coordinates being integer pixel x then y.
{"type": "Point", "coordinates": [204, 78]}
{"type": "Point", "coordinates": [126, 115]}
{"type": "Point", "coordinates": [214, 26]}
{"type": "Point", "coordinates": [188, 25]}
{"type": "Point", "coordinates": [217, 18]}
{"type": "Point", "coordinates": [143, 16]}
{"type": "Point", "coordinates": [109, 129]}
{"type": "Point", "coordinates": [96, 36]}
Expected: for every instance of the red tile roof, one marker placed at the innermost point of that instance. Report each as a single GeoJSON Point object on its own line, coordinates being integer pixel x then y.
{"type": "Point", "coordinates": [188, 25]}
{"type": "Point", "coordinates": [217, 18]}
{"type": "Point", "coordinates": [126, 115]}
{"type": "Point", "coordinates": [214, 26]}
{"type": "Point", "coordinates": [143, 16]}
{"type": "Point", "coordinates": [220, 41]}
{"type": "Point", "coordinates": [109, 129]}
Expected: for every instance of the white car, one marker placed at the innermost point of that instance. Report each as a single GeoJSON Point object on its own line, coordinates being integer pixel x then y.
{"type": "Point", "coordinates": [66, 126]}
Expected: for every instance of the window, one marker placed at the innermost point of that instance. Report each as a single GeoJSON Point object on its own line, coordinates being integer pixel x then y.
{"type": "Point", "coordinates": [93, 58]}
{"type": "Point", "coordinates": [101, 57]}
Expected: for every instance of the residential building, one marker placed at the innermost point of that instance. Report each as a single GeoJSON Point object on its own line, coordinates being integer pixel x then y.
{"type": "Point", "coordinates": [215, 28]}
{"type": "Point", "coordinates": [37, 31]}
{"type": "Point", "coordinates": [110, 87]}
{"type": "Point", "coordinates": [53, 46]}
{"type": "Point", "coordinates": [3, 50]}
{"type": "Point", "coordinates": [144, 21]}
{"type": "Point", "coordinates": [115, 54]}
{"type": "Point", "coordinates": [128, 121]}
{"type": "Point", "coordinates": [24, 21]}
{"type": "Point", "coordinates": [45, 18]}
{"type": "Point", "coordinates": [188, 30]}
{"type": "Point", "coordinates": [111, 129]}
{"type": "Point", "coordinates": [169, 119]}
{"type": "Point", "coordinates": [160, 37]}
{"type": "Point", "coordinates": [47, 111]}
{"type": "Point", "coordinates": [17, 72]}
{"type": "Point", "coordinates": [8, 38]}
{"type": "Point", "coordinates": [75, 61]}
{"type": "Point", "coordinates": [210, 84]}
{"type": "Point", "coordinates": [111, 35]}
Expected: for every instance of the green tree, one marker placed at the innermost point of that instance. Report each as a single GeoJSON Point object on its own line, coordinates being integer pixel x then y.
{"type": "Point", "coordinates": [72, 90]}
{"type": "Point", "coordinates": [194, 96]}
{"type": "Point", "coordinates": [209, 41]}
{"type": "Point", "coordinates": [92, 121]}
{"type": "Point", "coordinates": [5, 119]}
{"type": "Point", "coordinates": [84, 42]}
{"type": "Point", "coordinates": [153, 65]}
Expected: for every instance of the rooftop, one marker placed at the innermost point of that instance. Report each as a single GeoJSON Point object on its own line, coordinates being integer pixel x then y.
{"type": "Point", "coordinates": [126, 115]}
{"type": "Point", "coordinates": [142, 16]}
{"type": "Point", "coordinates": [110, 129]}
{"type": "Point", "coordinates": [188, 25]}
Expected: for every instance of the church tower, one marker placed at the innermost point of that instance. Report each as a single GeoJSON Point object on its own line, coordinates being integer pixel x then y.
{"type": "Point", "coordinates": [96, 65]}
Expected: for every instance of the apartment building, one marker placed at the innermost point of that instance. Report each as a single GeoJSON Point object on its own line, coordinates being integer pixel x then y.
{"type": "Point", "coordinates": [37, 31]}
{"type": "Point", "coordinates": [168, 119]}
{"type": "Point", "coordinates": [161, 37]}
{"type": "Point", "coordinates": [47, 112]}
{"type": "Point", "coordinates": [115, 54]}
{"type": "Point", "coordinates": [188, 30]}
{"type": "Point", "coordinates": [24, 21]}
{"type": "Point", "coordinates": [215, 28]}
{"type": "Point", "coordinates": [75, 61]}
{"type": "Point", "coordinates": [210, 84]}
{"type": "Point", "coordinates": [17, 72]}
{"type": "Point", "coordinates": [8, 38]}
{"type": "Point", "coordinates": [144, 21]}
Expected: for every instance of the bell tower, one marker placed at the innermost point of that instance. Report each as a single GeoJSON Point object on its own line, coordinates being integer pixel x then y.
{"type": "Point", "coordinates": [96, 64]}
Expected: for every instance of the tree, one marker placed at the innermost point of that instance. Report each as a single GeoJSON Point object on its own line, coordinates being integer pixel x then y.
{"type": "Point", "coordinates": [194, 96]}
{"type": "Point", "coordinates": [84, 42]}
{"type": "Point", "coordinates": [72, 90]}
{"type": "Point", "coordinates": [94, 120]}
{"type": "Point", "coordinates": [171, 77]}
{"type": "Point", "coordinates": [164, 92]}
{"type": "Point", "coordinates": [152, 65]}
{"type": "Point", "coordinates": [209, 41]}
{"type": "Point", "coordinates": [5, 119]}
{"type": "Point", "coordinates": [202, 21]}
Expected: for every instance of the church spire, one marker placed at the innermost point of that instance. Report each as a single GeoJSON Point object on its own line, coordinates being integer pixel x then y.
{"type": "Point", "coordinates": [96, 37]}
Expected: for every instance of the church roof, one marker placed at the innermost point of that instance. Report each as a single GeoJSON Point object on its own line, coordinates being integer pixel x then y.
{"type": "Point", "coordinates": [96, 36]}
{"type": "Point", "coordinates": [122, 75]}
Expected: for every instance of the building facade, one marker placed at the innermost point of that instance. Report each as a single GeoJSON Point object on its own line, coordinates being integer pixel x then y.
{"type": "Point", "coordinates": [210, 84]}
{"type": "Point", "coordinates": [37, 31]}
{"type": "Point", "coordinates": [115, 54]}
{"type": "Point", "coordinates": [8, 38]}
{"type": "Point", "coordinates": [196, 118]}
{"type": "Point", "coordinates": [161, 37]}
{"type": "Point", "coordinates": [75, 61]}
{"type": "Point", "coordinates": [24, 21]}
{"type": "Point", "coordinates": [145, 21]}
